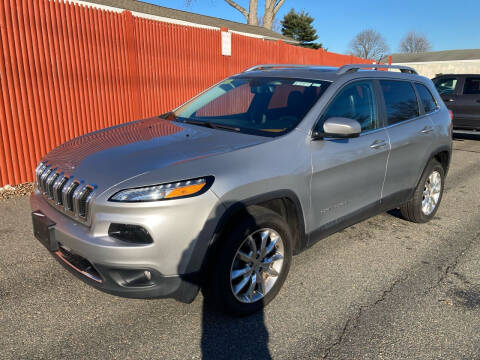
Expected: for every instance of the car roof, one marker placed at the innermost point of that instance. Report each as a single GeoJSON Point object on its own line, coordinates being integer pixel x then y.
{"type": "Point", "coordinates": [324, 73]}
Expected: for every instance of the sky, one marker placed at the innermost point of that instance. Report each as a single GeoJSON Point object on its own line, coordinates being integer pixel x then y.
{"type": "Point", "coordinates": [447, 24]}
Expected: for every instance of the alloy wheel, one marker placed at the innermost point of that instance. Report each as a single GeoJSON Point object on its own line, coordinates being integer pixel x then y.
{"type": "Point", "coordinates": [257, 265]}
{"type": "Point", "coordinates": [431, 192]}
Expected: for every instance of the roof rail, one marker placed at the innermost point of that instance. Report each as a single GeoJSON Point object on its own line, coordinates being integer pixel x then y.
{"type": "Point", "coordinates": [275, 66]}
{"type": "Point", "coordinates": [355, 67]}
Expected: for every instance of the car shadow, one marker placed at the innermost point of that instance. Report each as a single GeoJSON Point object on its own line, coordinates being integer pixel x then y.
{"type": "Point", "coordinates": [396, 213]}
{"type": "Point", "coordinates": [224, 336]}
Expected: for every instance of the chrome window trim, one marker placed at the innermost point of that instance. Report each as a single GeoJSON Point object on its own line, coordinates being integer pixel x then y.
{"type": "Point", "coordinates": [372, 131]}
{"type": "Point", "coordinates": [412, 119]}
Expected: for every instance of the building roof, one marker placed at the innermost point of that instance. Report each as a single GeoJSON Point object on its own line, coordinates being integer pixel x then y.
{"type": "Point", "coordinates": [185, 16]}
{"type": "Point", "coordinates": [447, 55]}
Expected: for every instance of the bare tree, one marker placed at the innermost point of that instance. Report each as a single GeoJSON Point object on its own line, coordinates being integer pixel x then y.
{"type": "Point", "coordinates": [277, 24]}
{"type": "Point", "coordinates": [369, 44]}
{"type": "Point", "coordinates": [251, 14]}
{"type": "Point", "coordinates": [415, 43]}
{"type": "Point", "coordinates": [271, 9]}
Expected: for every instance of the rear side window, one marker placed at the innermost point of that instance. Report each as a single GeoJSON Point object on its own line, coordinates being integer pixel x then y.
{"type": "Point", "coordinates": [472, 85]}
{"type": "Point", "coordinates": [446, 86]}
{"type": "Point", "coordinates": [426, 98]}
{"type": "Point", "coordinates": [400, 100]}
{"type": "Point", "coordinates": [355, 101]}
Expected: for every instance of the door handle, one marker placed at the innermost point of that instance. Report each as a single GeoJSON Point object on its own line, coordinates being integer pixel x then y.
{"type": "Point", "coordinates": [426, 130]}
{"type": "Point", "coordinates": [378, 144]}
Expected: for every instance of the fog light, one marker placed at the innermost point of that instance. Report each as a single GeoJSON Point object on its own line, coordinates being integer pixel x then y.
{"type": "Point", "coordinates": [132, 278]}
{"type": "Point", "coordinates": [148, 275]}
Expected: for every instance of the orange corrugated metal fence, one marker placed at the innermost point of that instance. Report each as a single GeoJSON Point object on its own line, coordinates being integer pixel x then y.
{"type": "Point", "coordinates": [67, 69]}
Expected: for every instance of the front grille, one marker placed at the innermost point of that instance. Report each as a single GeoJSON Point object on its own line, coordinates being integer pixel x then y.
{"type": "Point", "coordinates": [69, 195]}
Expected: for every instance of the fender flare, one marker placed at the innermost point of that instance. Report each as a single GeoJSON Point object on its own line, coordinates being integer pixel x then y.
{"type": "Point", "coordinates": [239, 206]}
{"type": "Point", "coordinates": [439, 149]}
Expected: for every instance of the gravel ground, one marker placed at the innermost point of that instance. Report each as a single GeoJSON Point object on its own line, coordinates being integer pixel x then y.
{"type": "Point", "coordinates": [382, 289]}
{"type": "Point", "coordinates": [10, 192]}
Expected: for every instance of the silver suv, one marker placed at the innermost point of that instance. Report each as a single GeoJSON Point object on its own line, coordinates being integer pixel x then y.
{"type": "Point", "coordinates": [221, 192]}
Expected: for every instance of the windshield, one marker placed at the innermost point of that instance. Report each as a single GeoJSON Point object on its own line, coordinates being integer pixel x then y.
{"type": "Point", "coordinates": [260, 106]}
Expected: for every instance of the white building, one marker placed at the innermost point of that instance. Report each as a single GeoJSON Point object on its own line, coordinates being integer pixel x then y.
{"type": "Point", "coordinates": [432, 63]}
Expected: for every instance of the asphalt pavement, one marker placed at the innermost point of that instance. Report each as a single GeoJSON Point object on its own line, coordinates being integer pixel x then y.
{"type": "Point", "coordinates": [382, 289]}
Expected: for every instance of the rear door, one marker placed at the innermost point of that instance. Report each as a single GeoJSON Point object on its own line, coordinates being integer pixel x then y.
{"type": "Point", "coordinates": [468, 104]}
{"type": "Point", "coordinates": [411, 135]}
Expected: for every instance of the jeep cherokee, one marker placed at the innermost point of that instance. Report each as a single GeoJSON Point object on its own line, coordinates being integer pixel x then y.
{"type": "Point", "coordinates": [219, 193]}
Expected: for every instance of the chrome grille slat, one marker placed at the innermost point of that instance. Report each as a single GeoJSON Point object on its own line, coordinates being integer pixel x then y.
{"type": "Point", "coordinates": [43, 179]}
{"type": "Point", "coordinates": [76, 198]}
{"type": "Point", "coordinates": [84, 201]}
{"type": "Point", "coordinates": [39, 171]}
{"type": "Point", "coordinates": [57, 189]}
{"type": "Point", "coordinates": [69, 203]}
{"type": "Point", "coordinates": [49, 183]}
{"type": "Point", "coordinates": [65, 192]}
{"type": "Point", "coordinates": [69, 195]}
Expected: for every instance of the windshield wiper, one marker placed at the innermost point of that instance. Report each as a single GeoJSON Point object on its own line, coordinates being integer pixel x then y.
{"type": "Point", "coordinates": [212, 125]}
{"type": "Point", "coordinates": [168, 116]}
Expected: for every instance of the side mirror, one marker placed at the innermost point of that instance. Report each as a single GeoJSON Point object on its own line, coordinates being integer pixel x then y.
{"type": "Point", "coordinates": [342, 128]}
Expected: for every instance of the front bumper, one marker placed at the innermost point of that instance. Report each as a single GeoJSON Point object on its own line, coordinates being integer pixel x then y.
{"type": "Point", "coordinates": [128, 282]}
{"type": "Point", "coordinates": [181, 232]}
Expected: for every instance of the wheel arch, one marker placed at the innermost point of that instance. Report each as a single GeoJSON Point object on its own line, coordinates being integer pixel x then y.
{"type": "Point", "coordinates": [443, 155]}
{"type": "Point", "coordinates": [283, 202]}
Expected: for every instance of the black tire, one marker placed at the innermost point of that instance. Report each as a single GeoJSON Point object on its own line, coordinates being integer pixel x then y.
{"type": "Point", "coordinates": [218, 290]}
{"type": "Point", "coordinates": [412, 210]}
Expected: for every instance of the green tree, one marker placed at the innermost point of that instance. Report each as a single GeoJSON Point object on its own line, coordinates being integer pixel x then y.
{"type": "Point", "coordinates": [299, 27]}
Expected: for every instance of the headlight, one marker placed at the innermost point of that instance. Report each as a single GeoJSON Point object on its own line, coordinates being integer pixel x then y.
{"type": "Point", "coordinates": [176, 190]}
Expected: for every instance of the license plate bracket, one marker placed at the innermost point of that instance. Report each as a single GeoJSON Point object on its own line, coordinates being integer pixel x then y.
{"type": "Point", "coordinates": [44, 230]}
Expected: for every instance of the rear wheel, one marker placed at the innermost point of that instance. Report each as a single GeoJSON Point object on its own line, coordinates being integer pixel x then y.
{"type": "Point", "coordinates": [251, 264]}
{"type": "Point", "coordinates": [425, 201]}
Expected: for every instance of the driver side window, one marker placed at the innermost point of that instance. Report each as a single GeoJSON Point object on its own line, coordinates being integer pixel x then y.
{"type": "Point", "coordinates": [355, 101]}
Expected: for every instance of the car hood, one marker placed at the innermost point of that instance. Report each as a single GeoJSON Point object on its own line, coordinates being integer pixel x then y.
{"type": "Point", "coordinates": [113, 155]}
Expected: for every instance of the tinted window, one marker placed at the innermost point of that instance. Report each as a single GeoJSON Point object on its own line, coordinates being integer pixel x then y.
{"type": "Point", "coordinates": [400, 100]}
{"type": "Point", "coordinates": [355, 101]}
{"type": "Point", "coordinates": [261, 106]}
{"type": "Point", "coordinates": [472, 85]}
{"type": "Point", "coordinates": [426, 97]}
{"type": "Point", "coordinates": [445, 86]}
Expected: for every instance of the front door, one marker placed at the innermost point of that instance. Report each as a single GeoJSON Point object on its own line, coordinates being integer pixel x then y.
{"type": "Point", "coordinates": [348, 174]}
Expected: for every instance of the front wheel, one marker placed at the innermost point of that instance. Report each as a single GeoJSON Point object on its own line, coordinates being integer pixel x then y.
{"type": "Point", "coordinates": [252, 262]}
{"type": "Point", "coordinates": [425, 201]}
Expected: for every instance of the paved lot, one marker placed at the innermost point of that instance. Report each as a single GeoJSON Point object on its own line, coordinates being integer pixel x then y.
{"type": "Point", "coordinates": [384, 288]}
